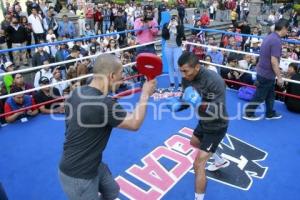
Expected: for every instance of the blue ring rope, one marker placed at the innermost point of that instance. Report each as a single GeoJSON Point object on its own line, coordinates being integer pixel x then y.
{"type": "Point", "coordinates": [232, 33]}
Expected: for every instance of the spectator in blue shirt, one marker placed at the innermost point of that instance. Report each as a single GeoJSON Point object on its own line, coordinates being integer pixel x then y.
{"type": "Point", "coordinates": [66, 27]}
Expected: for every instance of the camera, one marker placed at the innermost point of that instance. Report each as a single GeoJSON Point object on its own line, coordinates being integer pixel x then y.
{"type": "Point", "coordinates": [148, 18]}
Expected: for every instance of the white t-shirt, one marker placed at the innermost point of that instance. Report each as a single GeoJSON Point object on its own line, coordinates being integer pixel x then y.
{"type": "Point", "coordinates": [36, 23]}
{"type": "Point", "coordinates": [41, 73]}
{"type": "Point", "coordinates": [211, 9]}
{"type": "Point", "coordinates": [49, 37]}
{"type": "Point", "coordinates": [284, 65]}
{"type": "Point", "coordinates": [61, 87]}
{"type": "Point", "coordinates": [212, 68]}
{"type": "Point", "coordinates": [271, 18]}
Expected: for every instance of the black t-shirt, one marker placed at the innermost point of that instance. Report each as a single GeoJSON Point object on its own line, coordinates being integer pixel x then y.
{"type": "Point", "coordinates": [90, 117]}
{"type": "Point", "coordinates": [41, 97]}
{"type": "Point", "coordinates": [293, 104]}
{"type": "Point", "coordinates": [212, 111]}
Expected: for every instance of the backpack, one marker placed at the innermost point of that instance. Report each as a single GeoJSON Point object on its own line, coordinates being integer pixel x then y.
{"type": "Point", "coordinates": [246, 93]}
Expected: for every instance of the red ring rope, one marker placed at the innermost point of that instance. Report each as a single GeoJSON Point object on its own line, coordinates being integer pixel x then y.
{"type": "Point", "coordinates": [32, 107]}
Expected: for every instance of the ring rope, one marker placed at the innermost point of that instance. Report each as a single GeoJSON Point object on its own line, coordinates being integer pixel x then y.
{"type": "Point", "coordinates": [243, 70]}
{"type": "Point", "coordinates": [46, 86]}
{"type": "Point", "coordinates": [236, 51]}
{"type": "Point", "coordinates": [293, 41]}
{"type": "Point", "coordinates": [253, 86]}
{"type": "Point", "coordinates": [129, 92]}
{"type": "Point", "coordinates": [67, 81]}
{"type": "Point", "coordinates": [32, 107]}
{"type": "Point", "coordinates": [76, 59]}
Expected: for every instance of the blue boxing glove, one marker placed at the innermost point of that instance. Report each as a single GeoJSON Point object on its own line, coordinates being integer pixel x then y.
{"type": "Point", "coordinates": [191, 96]}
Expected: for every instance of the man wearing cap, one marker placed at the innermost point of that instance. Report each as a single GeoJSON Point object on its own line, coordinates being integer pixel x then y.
{"type": "Point", "coordinates": [46, 72]}
{"type": "Point", "coordinates": [8, 79]}
{"type": "Point", "coordinates": [255, 46]}
{"type": "Point", "coordinates": [17, 102]}
{"type": "Point", "coordinates": [48, 94]}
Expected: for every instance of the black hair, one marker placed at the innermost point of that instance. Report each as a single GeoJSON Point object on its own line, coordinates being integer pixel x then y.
{"type": "Point", "coordinates": [188, 58]}
{"type": "Point", "coordinates": [208, 56]}
{"type": "Point", "coordinates": [294, 66]}
{"type": "Point", "coordinates": [281, 23]}
{"type": "Point", "coordinates": [14, 75]}
{"type": "Point", "coordinates": [15, 89]}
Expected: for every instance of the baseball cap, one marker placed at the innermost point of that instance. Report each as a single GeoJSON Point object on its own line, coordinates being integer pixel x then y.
{"type": "Point", "coordinates": [7, 64]}
{"type": "Point", "coordinates": [76, 48]}
{"type": "Point", "coordinates": [44, 80]}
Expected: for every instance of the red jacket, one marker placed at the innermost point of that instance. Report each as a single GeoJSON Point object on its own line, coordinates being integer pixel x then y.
{"type": "Point", "coordinates": [98, 16]}
{"type": "Point", "coordinates": [204, 20]}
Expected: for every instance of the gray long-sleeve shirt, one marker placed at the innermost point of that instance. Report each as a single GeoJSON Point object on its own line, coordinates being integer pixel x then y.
{"type": "Point", "coordinates": [212, 89]}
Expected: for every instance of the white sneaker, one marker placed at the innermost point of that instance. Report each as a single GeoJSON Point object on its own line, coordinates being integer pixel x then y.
{"type": "Point", "coordinates": [214, 166]}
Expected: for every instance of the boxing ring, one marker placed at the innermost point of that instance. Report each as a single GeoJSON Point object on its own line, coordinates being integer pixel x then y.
{"type": "Point", "coordinates": [156, 161]}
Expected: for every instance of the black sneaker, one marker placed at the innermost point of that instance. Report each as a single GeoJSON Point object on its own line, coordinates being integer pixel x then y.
{"type": "Point", "coordinates": [274, 116]}
{"type": "Point", "coordinates": [251, 117]}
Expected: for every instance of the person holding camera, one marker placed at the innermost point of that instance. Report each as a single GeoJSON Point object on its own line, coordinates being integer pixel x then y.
{"type": "Point", "coordinates": [147, 28]}
{"type": "Point", "coordinates": [173, 33]}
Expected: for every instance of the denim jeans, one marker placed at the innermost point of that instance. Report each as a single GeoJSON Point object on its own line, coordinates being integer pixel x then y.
{"type": "Point", "coordinates": [105, 26]}
{"type": "Point", "coordinates": [172, 55]}
{"type": "Point", "coordinates": [265, 91]}
{"type": "Point", "coordinates": [87, 189]}
{"type": "Point", "coordinates": [146, 49]}
{"type": "Point", "coordinates": [2, 193]}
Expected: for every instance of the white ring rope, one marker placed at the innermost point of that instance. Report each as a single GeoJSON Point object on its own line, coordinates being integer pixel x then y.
{"type": "Point", "coordinates": [240, 52]}
{"type": "Point", "coordinates": [236, 51]}
{"type": "Point", "coordinates": [46, 86]}
{"type": "Point", "coordinates": [74, 60]}
{"type": "Point", "coordinates": [58, 83]}
{"type": "Point", "coordinates": [54, 84]}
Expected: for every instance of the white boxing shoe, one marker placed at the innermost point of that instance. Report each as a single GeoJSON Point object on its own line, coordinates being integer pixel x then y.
{"type": "Point", "coordinates": [216, 166]}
